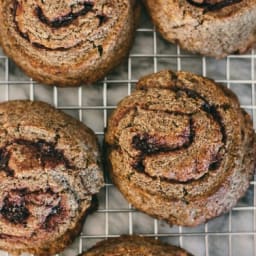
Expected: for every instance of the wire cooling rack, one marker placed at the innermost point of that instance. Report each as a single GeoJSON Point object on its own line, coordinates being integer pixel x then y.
{"type": "Point", "coordinates": [232, 234]}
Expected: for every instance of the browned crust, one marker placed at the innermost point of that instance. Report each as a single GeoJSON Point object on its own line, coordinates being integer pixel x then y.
{"type": "Point", "coordinates": [217, 33]}
{"type": "Point", "coordinates": [204, 198]}
{"type": "Point", "coordinates": [87, 70]}
{"type": "Point", "coordinates": [134, 245]}
{"type": "Point", "coordinates": [28, 122]}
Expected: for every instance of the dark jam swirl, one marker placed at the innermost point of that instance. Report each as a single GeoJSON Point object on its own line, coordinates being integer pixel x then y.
{"type": "Point", "coordinates": [15, 211]}
{"type": "Point", "coordinates": [208, 158]}
{"type": "Point", "coordinates": [40, 154]}
{"type": "Point", "coordinates": [22, 205]}
{"type": "Point", "coordinates": [209, 5]}
{"type": "Point", "coordinates": [4, 160]}
{"type": "Point", "coordinates": [19, 205]}
{"type": "Point", "coordinates": [57, 23]}
{"type": "Point", "coordinates": [179, 142]}
{"type": "Point", "coordinates": [64, 20]}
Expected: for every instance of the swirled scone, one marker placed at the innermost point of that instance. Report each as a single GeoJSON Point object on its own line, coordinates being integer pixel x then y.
{"type": "Point", "coordinates": [49, 172]}
{"type": "Point", "coordinates": [209, 27]}
{"type": "Point", "coordinates": [180, 148]}
{"type": "Point", "coordinates": [67, 42]}
{"type": "Point", "coordinates": [134, 246]}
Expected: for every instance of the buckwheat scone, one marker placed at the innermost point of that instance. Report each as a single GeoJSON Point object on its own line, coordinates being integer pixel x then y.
{"type": "Point", "coordinates": [180, 148]}
{"type": "Point", "coordinates": [49, 172]}
{"type": "Point", "coordinates": [67, 42]}
{"type": "Point", "coordinates": [134, 246]}
{"type": "Point", "coordinates": [210, 27]}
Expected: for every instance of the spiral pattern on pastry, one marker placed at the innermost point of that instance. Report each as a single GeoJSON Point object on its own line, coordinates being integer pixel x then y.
{"type": "Point", "coordinates": [212, 5]}
{"type": "Point", "coordinates": [134, 246]}
{"type": "Point", "coordinates": [49, 172]}
{"type": "Point", "coordinates": [214, 28]}
{"type": "Point", "coordinates": [67, 42]}
{"type": "Point", "coordinates": [180, 148]}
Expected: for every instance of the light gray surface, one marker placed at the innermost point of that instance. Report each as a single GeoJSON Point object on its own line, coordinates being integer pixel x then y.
{"type": "Point", "coordinates": [232, 234]}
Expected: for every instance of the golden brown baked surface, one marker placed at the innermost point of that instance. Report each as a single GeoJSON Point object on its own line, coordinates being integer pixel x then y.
{"type": "Point", "coordinates": [180, 148]}
{"type": "Point", "coordinates": [134, 246]}
{"type": "Point", "coordinates": [49, 172]}
{"type": "Point", "coordinates": [66, 43]}
{"type": "Point", "coordinates": [209, 27]}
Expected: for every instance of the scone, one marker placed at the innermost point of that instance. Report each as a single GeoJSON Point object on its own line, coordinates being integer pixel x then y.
{"type": "Point", "coordinates": [134, 246]}
{"type": "Point", "coordinates": [209, 27]}
{"type": "Point", "coordinates": [67, 42]}
{"type": "Point", "coordinates": [49, 172]}
{"type": "Point", "coordinates": [180, 148]}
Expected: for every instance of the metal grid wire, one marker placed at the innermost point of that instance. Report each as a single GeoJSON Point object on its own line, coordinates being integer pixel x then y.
{"type": "Point", "coordinates": [231, 234]}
